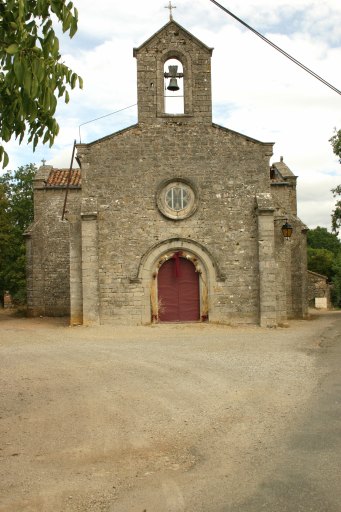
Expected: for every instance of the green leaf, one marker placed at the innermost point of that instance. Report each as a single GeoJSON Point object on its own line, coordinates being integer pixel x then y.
{"type": "Point", "coordinates": [18, 69]}
{"type": "Point", "coordinates": [48, 43]}
{"type": "Point", "coordinates": [46, 101]}
{"type": "Point", "coordinates": [73, 27]}
{"type": "Point", "coordinates": [46, 137]}
{"type": "Point", "coordinates": [12, 49]}
{"type": "Point", "coordinates": [73, 80]}
{"type": "Point", "coordinates": [3, 157]}
{"type": "Point", "coordinates": [67, 22]}
{"type": "Point", "coordinates": [34, 86]}
{"type": "Point", "coordinates": [27, 82]}
{"type": "Point", "coordinates": [21, 5]}
{"type": "Point", "coordinates": [53, 104]}
{"type": "Point", "coordinates": [55, 47]}
{"type": "Point", "coordinates": [30, 26]}
{"type": "Point", "coordinates": [6, 134]}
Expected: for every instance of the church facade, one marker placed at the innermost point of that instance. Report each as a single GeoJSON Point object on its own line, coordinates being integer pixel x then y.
{"type": "Point", "coordinates": [174, 219]}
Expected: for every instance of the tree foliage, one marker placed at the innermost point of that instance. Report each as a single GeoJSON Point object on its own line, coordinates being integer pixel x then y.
{"type": "Point", "coordinates": [321, 261]}
{"type": "Point", "coordinates": [32, 74]}
{"type": "Point", "coordinates": [320, 238]}
{"type": "Point", "coordinates": [336, 280]}
{"type": "Point", "coordinates": [335, 141]}
{"type": "Point", "coordinates": [324, 257]}
{"type": "Point", "coordinates": [16, 214]}
{"type": "Point", "coordinates": [336, 213]}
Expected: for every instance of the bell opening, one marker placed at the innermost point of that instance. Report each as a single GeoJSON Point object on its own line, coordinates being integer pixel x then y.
{"type": "Point", "coordinates": [173, 87]}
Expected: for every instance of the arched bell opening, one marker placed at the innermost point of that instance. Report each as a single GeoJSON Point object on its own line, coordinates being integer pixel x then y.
{"type": "Point", "coordinates": [179, 289]}
{"type": "Point", "coordinates": [174, 101]}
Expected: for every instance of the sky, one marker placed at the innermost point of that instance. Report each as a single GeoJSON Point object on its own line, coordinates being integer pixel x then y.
{"type": "Point", "coordinates": [255, 90]}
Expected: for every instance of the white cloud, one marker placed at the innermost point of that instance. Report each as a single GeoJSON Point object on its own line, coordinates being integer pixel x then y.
{"type": "Point", "coordinates": [256, 90]}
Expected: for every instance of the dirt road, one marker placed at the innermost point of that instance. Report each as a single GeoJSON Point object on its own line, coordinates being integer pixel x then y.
{"type": "Point", "coordinates": [170, 418]}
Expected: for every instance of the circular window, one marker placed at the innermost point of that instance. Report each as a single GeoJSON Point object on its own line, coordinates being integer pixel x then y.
{"type": "Point", "coordinates": [176, 199]}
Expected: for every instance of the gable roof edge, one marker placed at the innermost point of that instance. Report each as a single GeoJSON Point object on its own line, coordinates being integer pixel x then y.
{"type": "Point", "coordinates": [172, 22]}
{"type": "Point", "coordinates": [251, 139]}
{"type": "Point", "coordinates": [318, 275]}
{"type": "Point", "coordinates": [106, 137]}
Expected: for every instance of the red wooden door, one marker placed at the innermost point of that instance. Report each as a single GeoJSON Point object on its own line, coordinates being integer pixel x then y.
{"type": "Point", "coordinates": [178, 291]}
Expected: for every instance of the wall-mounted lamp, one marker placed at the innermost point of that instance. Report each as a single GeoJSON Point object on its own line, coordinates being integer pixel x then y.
{"type": "Point", "coordinates": [287, 230]}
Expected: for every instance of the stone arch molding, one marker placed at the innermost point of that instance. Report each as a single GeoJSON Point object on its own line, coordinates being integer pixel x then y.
{"type": "Point", "coordinates": [178, 55]}
{"type": "Point", "coordinates": [152, 260]}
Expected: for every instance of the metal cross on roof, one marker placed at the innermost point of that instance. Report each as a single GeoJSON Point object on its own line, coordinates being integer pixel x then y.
{"type": "Point", "coordinates": [170, 7]}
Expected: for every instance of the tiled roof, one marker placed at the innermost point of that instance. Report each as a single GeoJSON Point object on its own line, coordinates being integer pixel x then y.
{"type": "Point", "coordinates": [60, 178]}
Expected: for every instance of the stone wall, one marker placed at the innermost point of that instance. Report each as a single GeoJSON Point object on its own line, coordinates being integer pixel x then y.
{"type": "Point", "coordinates": [124, 172]}
{"type": "Point", "coordinates": [318, 288]}
{"type": "Point", "coordinates": [227, 171]}
{"type": "Point", "coordinates": [174, 41]}
{"type": "Point", "coordinates": [120, 229]}
{"type": "Point", "coordinates": [48, 253]}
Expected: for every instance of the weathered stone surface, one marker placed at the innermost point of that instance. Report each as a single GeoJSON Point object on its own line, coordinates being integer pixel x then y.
{"type": "Point", "coordinates": [119, 236]}
{"type": "Point", "coordinates": [318, 288]}
{"type": "Point", "coordinates": [48, 254]}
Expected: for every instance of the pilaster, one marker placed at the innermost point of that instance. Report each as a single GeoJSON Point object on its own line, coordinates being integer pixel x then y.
{"type": "Point", "coordinates": [76, 289]}
{"type": "Point", "coordinates": [90, 285]}
{"type": "Point", "coordinates": [267, 265]}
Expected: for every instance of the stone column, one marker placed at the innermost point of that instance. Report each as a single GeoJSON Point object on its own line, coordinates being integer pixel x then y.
{"type": "Point", "coordinates": [298, 245]}
{"type": "Point", "coordinates": [267, 265]}
{"type": "Point", "coordinates": [90, 285]}
{"type": "Point", "coordinates": [76, 289]}
{"type": "Point", "coordinates": [287, 271]}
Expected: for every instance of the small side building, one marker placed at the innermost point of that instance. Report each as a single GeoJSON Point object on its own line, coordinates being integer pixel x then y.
{"type": "Point", "coordinates": [319, 289]}
{"type": "Point", "coordinates": [48, 242]}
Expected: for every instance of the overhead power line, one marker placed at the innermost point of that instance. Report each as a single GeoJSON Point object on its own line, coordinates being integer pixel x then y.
{"type": "Point", "coordinates": [295, 61]}
{"type": "Point", "coordinates": [102, 117]}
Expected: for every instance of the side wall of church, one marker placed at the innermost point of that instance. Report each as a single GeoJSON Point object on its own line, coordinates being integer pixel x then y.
{"type": "Point", "coordinates": [299, 273]}
{"type": "Point", "coordinates": [125, 172]}
{"type": "Point", "coordinates": [284, 194]}
{"type": "Point", "coordinates": [291, 255]}
{"type": "Point", "coordinates": [48, 254]}
{"type": "Point", "coordinates": [291, 279]}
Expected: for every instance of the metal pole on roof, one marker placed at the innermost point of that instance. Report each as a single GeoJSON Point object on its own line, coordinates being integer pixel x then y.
{"type": "Point", "coordinates": [69, 179]}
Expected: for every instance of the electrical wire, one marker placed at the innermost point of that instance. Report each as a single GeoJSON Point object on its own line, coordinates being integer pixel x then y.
{"type": "Point", "coordinates": [265, 39]}
{"type": "Point", "coordinates": [295, 61]}
{"type": "Point", "coordinates": [102, 117]}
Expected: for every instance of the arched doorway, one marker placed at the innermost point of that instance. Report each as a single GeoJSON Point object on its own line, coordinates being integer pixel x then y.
{"type": "Point", "coordinates": [178, 291]}
{"type": "Point", "coordinates": [206, 270]}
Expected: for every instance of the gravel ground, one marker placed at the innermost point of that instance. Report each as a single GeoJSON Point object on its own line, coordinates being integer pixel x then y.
{"type": "Point", "coordinates": [166, 418]}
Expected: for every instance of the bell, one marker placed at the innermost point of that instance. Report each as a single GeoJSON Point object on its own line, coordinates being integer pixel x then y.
{"type": "Point", "coordinates": [173, 85]}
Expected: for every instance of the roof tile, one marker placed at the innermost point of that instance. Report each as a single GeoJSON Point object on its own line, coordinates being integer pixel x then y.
{"type": "Point", "coordinates": [60, 178]}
